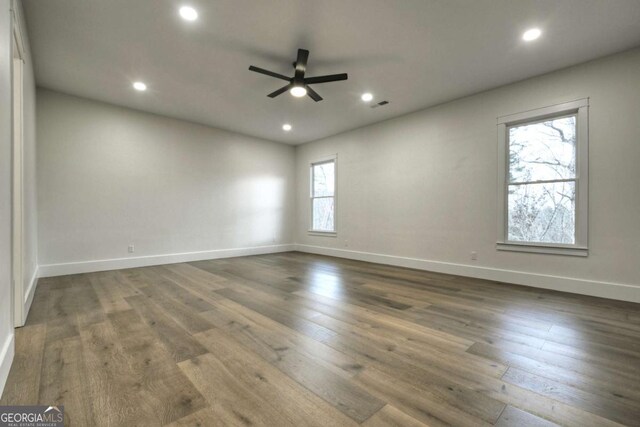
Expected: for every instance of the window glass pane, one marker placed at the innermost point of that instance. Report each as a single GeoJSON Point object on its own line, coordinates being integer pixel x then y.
{"type": "Point", "coordinates": [542, 212]}
{"type": "Point", "coordinates": [543, 151]}
{"type": "Point", "coordinates": [323, 214]}
{"type": "Point", "coordinates": [323, 179]}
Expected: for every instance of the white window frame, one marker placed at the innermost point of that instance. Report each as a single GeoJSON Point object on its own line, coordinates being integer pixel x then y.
{"type": "Point", "coordinates": [328, 159]}
{"type": "Point", "coordinates": [579, 108]}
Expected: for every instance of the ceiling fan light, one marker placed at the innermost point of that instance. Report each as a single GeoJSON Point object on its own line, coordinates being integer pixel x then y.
{"type": "Point", "coordinates": [188, 13]}
{"type": "Point", "coordinates": [140, 86]}
{"type": "Point", "coordinates": [531, 35]}
{"type": "Point", "coordinates": [298, 91]}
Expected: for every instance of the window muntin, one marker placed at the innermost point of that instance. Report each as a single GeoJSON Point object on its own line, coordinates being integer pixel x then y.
{"type": "Point", "coordinates": [323, 176]}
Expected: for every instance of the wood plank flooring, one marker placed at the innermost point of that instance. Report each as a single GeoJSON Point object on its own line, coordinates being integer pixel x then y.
{"type": "Point", "coordinates": [294, 339]}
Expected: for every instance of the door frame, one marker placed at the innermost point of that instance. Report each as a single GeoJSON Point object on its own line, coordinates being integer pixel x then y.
{"type": "Point", "coordinates": [17, 170]}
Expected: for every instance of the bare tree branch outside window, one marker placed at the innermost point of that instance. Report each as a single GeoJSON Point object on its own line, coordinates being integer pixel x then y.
{"type": "Point", "coordinates": [323, 196]}
{"type": "Point", "coordinates": [542, 181]}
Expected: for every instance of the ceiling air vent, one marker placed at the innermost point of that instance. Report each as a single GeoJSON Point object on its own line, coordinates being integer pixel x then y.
{"type": "Point", "coordinates": [380, 104]}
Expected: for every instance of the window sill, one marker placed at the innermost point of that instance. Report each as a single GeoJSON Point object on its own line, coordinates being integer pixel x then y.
{"type": "Point", "coordinates": [322, 233]}
{"type": "Point", "coordinates": [540, 249]}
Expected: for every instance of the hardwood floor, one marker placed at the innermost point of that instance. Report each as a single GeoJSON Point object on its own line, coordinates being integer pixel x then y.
{"type": "Point", "coordinates": [294, 340]}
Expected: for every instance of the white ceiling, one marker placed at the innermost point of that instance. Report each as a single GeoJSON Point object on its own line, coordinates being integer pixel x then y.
{"type": "Point", "coordinates": [414, 53]}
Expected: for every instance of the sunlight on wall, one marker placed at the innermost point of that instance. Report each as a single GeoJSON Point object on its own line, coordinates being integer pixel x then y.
{"type": "Point", "coordinates": [260, 209]}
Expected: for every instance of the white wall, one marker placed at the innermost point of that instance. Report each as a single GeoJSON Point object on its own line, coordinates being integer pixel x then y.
{"type": "Point", "coordinates": [423, 186]}
{"type": "Point", "coordinates": [109, 177]}
{"type": "Point", "coordinates": [6, 295]}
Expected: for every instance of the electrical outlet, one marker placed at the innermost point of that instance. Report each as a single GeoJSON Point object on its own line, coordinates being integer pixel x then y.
{"type": "Point", "coordinates": [346, 243]}
{"type": "Point", "coordinates": [474, 255]}
{"type": "Point", "coordinates": [131, 249]}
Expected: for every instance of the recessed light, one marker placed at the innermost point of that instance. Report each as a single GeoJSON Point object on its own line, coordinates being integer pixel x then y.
{"type": "Point", "coordinates": [531, 34]}
{"type": "Point", "coordinates": [188, 13]}
{"type": "Point", "coordinates": [366, 97]}
{"type": "Point", "coordinates": [140, 86]}
{"type": "Point", "coordinates": [286, 127]}
{"type": "Point", "coordinates": [298, 91]}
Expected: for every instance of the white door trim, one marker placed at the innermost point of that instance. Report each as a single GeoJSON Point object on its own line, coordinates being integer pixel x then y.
{"type": "Point", "coordinates": [17, 237]}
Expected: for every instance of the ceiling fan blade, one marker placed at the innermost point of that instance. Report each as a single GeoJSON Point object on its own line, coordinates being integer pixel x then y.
{"type": "Point", "coordinates": [326, 79]}
{"type": "Point", "coordinates": [313, 94]}
{"type": "Point", "coordinates": [301, 63]}
{"type": "Point", "coordinates": [280, 91]}
{"type": "Point", "coordinates": [269, 73]}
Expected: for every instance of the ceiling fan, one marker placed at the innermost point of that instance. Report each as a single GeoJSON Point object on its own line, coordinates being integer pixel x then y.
{"type": "Point", "coordinates": [299, 84]}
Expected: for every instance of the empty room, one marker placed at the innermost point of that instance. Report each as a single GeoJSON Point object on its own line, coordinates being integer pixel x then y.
{"type": "Point", "coordinates": [319, 213]}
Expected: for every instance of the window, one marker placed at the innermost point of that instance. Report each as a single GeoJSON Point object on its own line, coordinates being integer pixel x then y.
{"type": "Point", "coordinates": [323, 189]}
{"type": "Point", "coordinates": [543, 180]}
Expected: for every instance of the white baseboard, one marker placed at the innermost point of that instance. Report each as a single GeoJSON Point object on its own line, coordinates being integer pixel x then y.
{"type": "Point", "coordinates": [31, 290]}
{"type": "Point", "coordinates": [6, 358]}
{"type": "Point", "coordinates": [565, 284]}
{"type": "Point", "coordinates": [51, 270]}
